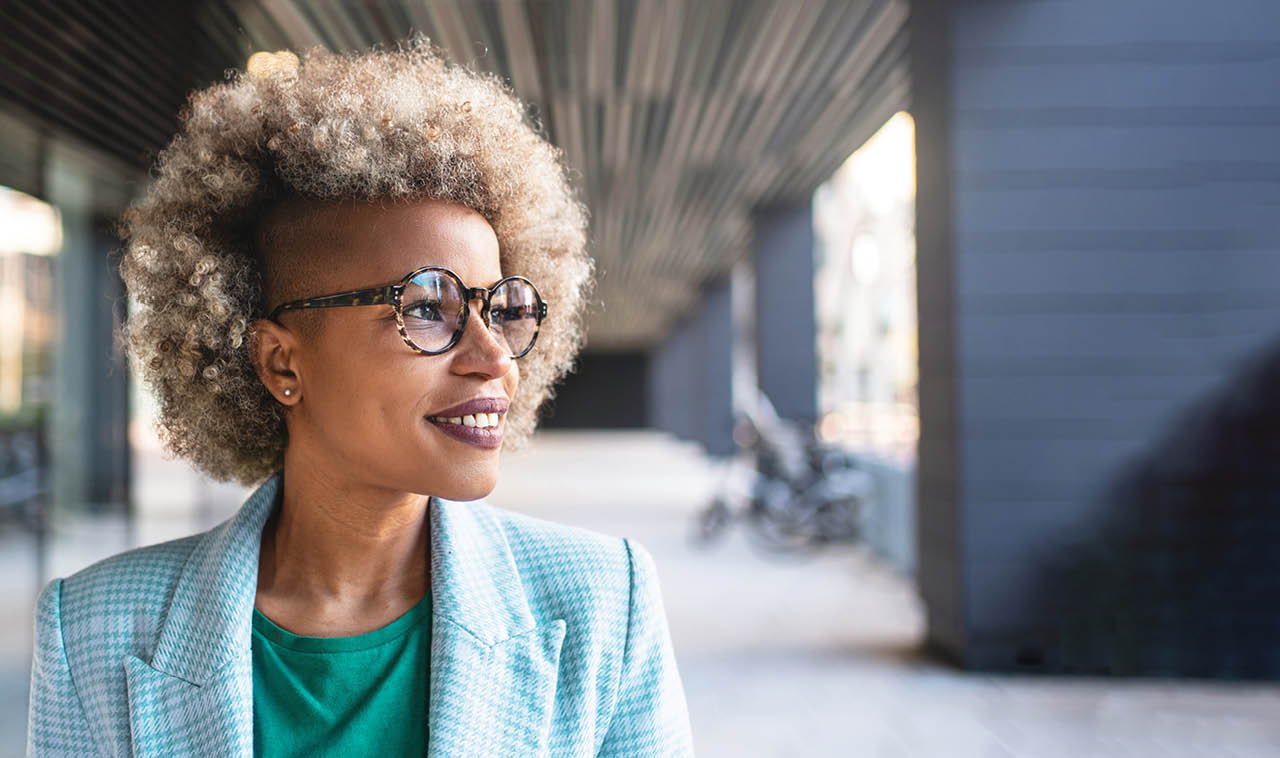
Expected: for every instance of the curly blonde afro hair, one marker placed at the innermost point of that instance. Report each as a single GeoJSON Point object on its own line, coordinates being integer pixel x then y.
{"type": "Point", "coordinates": [398, 124]}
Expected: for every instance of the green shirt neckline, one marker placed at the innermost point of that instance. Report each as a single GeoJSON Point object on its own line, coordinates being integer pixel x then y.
{"type": "Point", "coordinates": [305, 644]}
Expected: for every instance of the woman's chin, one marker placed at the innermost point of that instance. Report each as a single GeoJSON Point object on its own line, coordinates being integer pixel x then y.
{"type": "Point", "coordinates": [476, 485]}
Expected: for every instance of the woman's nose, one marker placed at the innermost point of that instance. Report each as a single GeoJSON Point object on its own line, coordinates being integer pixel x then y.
{"type": "Point", "coordinates": [482, 349]}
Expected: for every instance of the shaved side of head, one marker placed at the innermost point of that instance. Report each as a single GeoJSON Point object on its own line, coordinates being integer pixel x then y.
{"type": "Point", "coordinates": [296, 240]}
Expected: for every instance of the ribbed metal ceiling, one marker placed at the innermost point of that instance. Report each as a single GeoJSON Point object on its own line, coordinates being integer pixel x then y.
{"type": "Point", "coordinates": [679, 116]}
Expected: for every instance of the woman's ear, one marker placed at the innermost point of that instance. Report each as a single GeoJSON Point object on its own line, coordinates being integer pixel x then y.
{"type": "Point", "coordinates": [274, 352]}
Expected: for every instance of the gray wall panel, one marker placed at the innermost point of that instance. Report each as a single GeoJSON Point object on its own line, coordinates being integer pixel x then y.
{"type": "Point", "coordinates": [1112, 260]}
{"type": "Point", "coordinates": [1105, 22]}
{"type": "Point", "coordinates": [605, 390]}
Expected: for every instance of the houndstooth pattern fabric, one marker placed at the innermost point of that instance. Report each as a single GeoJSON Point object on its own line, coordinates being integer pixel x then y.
{"type": "Point", "coordinates": [547, 640]}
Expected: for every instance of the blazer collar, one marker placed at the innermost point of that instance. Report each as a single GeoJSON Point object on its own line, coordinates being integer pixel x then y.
{"type": "Point", "coordinates": [494, 665]}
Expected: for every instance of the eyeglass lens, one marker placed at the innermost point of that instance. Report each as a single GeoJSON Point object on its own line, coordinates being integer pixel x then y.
{"type": "Point", "coordinates": [433, 305]}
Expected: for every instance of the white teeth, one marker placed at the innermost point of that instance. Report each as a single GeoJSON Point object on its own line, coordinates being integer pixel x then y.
{"type": "Point", "coordinates": [486, 420]}
{"type": "Point", "coordinates": [480, 420]}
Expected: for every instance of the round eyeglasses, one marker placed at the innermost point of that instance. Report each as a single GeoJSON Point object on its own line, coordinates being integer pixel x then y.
{"type": "Point", "coordinates": [432, 308]}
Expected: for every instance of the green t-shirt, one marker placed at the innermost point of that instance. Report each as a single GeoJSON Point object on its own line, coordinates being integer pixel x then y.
{"type": "Point", "coordinates": [342, 696]}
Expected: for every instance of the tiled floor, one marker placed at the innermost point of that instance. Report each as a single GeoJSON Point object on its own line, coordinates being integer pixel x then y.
{"type": "Point", "coordinates": [809, 657]}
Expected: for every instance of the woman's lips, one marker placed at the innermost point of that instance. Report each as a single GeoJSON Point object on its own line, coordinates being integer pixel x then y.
{"type": "Point", "coordinates": [486, 437]}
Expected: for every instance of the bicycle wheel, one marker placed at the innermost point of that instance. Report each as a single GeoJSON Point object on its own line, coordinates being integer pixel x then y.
{"type": "Point", "coordinates": [840, 520]}
{"type": "Point", "coordinates": [712, 521]}
{"type": "Point", "coordinates": [781, 531]}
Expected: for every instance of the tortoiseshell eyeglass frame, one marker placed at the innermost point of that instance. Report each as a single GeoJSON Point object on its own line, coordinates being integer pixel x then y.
{"type": "Point", "coordinates": [391, 294]}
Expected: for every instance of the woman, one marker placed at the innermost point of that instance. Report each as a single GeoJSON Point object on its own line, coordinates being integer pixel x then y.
{"type": "Point", "coordinates": [359, 277]}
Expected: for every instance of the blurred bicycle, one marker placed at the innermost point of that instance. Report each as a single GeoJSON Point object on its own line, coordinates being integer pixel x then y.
{"type": "Point", "coordinates": [795, 493]}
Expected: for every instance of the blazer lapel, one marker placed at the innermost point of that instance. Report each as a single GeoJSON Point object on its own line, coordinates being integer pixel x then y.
{"type": "Point", "coordinates": [171, 716]}
{"type": "Point", "coordinates": [494, 667]}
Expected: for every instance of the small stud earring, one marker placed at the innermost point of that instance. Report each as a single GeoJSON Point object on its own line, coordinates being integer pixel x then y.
{"type": "Point", "coordinates": [288, 391]}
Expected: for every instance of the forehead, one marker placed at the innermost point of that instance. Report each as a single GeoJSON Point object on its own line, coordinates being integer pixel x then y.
{"type": "Point", "coordinates": [367, 244]}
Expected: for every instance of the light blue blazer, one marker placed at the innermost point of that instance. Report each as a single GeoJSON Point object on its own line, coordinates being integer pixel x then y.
{"type": "Point", "coordinates": [547, 640]}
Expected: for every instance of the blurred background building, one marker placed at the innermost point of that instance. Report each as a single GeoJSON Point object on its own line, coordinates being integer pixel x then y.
{"type": "Point", "coordinates": [1020, 256]}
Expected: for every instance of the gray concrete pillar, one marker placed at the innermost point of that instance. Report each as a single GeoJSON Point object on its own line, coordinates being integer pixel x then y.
{"type": "Point", "coordinates": [691, 375]}
{"type": "Point", "coordinates": [1099, 294]}
{"type": "Point", "coordinates": [89, 398]}
{"type": "Point", "coordinates": [785, 319]}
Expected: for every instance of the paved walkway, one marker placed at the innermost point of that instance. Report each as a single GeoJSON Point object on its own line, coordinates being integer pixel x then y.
{"type": "Point", "coordinates": [780, 658]}
{"type": "Point", "coordinates": [818, 657]}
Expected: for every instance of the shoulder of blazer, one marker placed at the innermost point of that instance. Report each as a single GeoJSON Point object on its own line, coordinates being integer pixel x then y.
{"type": "Point", "coordinates": [135, 584]}
{"type": "Point", "coordinates": [112, 609]}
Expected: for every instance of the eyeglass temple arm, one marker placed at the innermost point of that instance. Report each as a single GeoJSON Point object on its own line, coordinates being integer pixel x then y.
{"type": "Point", "coordinates": [372, 296]}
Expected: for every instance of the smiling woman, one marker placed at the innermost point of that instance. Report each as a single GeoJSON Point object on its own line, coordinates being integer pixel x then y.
{"type": "Point", "coordinates": [367, 381]}
{"type": "Point", "coordinates": [359, 278]}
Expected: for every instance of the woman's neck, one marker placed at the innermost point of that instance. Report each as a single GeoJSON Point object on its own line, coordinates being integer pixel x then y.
{"type": "Point", "coordinates": [338, 555]}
